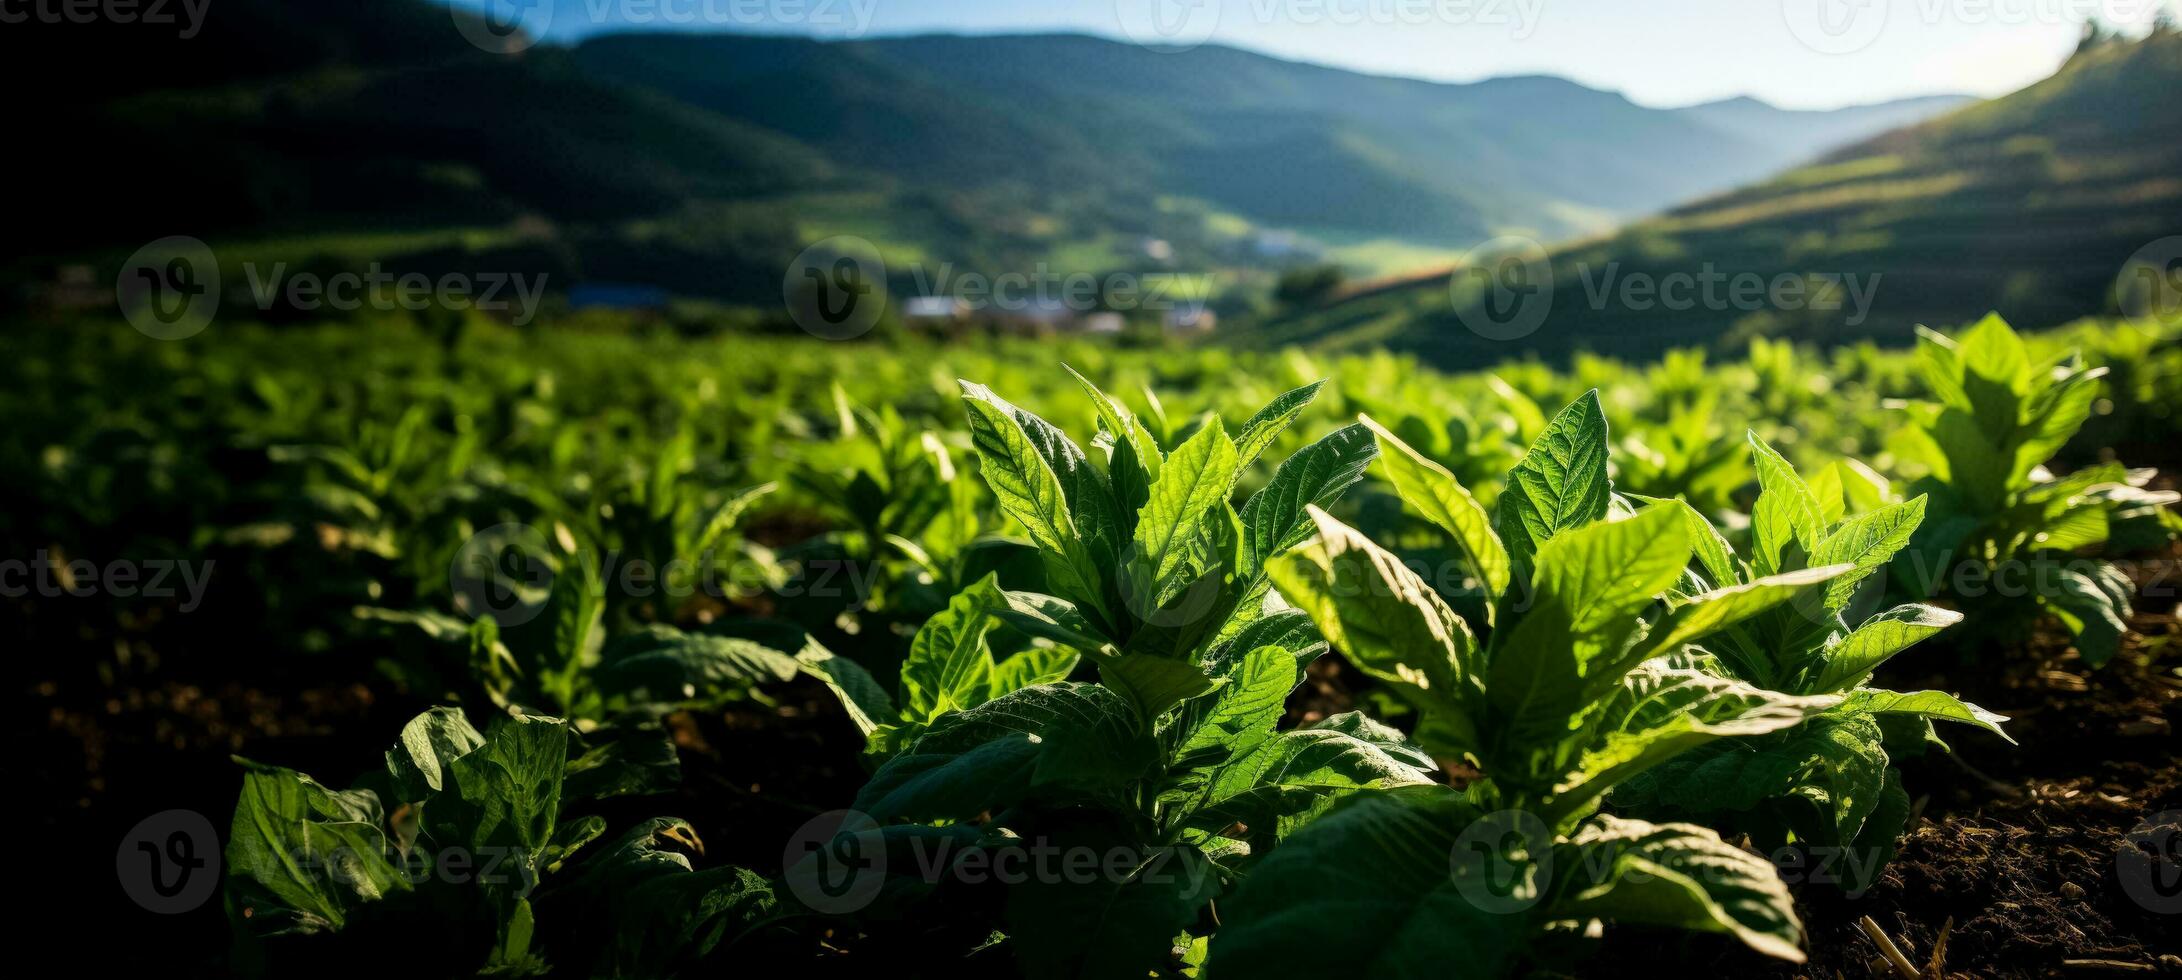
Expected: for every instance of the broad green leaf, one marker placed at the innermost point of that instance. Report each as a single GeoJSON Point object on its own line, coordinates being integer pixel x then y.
{"type": "Point", "coordinates": [1259, 431]}
{"type": "Point", "coordinates": [1136, 459]}
{"type": "Point", "coordinates": [1276, 519]}
{"type": "Point", "coordinates": [301, 858]}
{"type": "Point", "coordinates": [1193, 485]}
{"type": "Point", "coordinates": [1866, 542]}
{"type": "Point", "coordinates": [1660, 712]}
{"type": "Point", "coordinates": [1055, 619]}
{"type": "Point", "coordinates": [1295, 774]}
{"type": "Point", "coordinates": [1246, 709]}
{"type": "Point", "coordinates": [1786, 511]}
{"type": "Point", "coordinates": [949, 667]}
{"type": "Point", "coordinates": [1441, 499]}
{"type": "Point", "coordinates": [430, 742]}
{"type": "Point", "coordinates": [1366, 891]}
{"type": "Point", "coordinates": [1388, 738]}
{"type": "Point", "coordinates": [1289, 629]}
{"type": "Point", "coordinates": [509, 789]}
{"type": "Point", "coordinates": [1043, 481]}
{"type": "Point", "coordinates": [1826, 489]}
{"type": "Point", "coordinates": [2055, 414]}
{"type": "Point", "coordinates": [1713, 553]}
{"type": "Point", "coordinates": [1560, 484]}
{"type": "Point", "coordinates": [1848, 662]}
{"type": "Point", "coordinates": [1708, 613]}
{"type": "Point", "coordinates": [1077, 739]}
{"type": "Point", "coordinates": [1936, 705]}
{"type": "Point", "coordinates": [1038, 665]}
{"type": "Point", "coordinates": [1991, 350]}
{"type": "Point", "coordinates": [1976, 467]}
{"type": "Point", "coordinates": [1153, 683]}
{"type": "Point", "coordinates": [2093, 603]}
{"type": "Point", "coordinates": [661, 665]}
{"type": "Point", "coordinates": [1387, 621]}
{"type": "Point", "coordinates": [1589, 587]}
{"type": "Point", "coordinates": [1681, 876]}
{"type": "Point", "coordinates": [1862, 487]}
{"type": "Point", "coordinates": [861, 695]}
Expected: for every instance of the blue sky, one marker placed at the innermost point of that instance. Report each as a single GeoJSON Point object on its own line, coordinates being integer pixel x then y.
{"type": "Point", "coordinates": [1796, 53]}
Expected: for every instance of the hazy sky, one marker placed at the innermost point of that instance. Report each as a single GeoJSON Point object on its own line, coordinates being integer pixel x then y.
{"type": "Point", "coordinates": [1799, 53]}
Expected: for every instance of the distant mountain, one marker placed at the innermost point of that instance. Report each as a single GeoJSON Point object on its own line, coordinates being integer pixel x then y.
{"type": "Point", "coordinates": [2031, 205]}
{"type": "Point", "coordinates": [1275, 141]}
{"type": "Point", "coordinates": [1796, 136]}
{"type": "Point", "coordinates": [702, 163]}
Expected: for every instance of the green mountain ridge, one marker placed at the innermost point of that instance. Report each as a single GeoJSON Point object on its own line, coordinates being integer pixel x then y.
{"type": "Point", "coordinates": [2031, 205]}
{"type": "Point", "coordinates": [702, 162]}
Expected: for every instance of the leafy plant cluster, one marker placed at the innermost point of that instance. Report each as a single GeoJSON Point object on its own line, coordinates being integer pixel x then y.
{"type": "Point", "coordinates": [1630, 670]}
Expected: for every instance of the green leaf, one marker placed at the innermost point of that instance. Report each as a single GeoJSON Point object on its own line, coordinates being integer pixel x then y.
{"type": "Point", "coordinates": [1589, 586]}
{"type": "Point", "coordinates": [1136, 456]}
{"type": "Point", "coordinates": [1038, 665]}
{"type": "Point", "coordinates": [2055, 414]}
{"type": "Point", "coordinates": [1388, 622]}
{"type": "Point", "coordinates": [861, 695]}
{"type": "Point", "coordinates": [509, 790]}
{"type": "Point", "coordinates": [301, 858]}
{"type": "Point", "coordinates": [1153, 683]}
{"type": "Point", "coordinates": [1043, 481]}
{"type": "Point", "coordinates": [1292, 776]}
{"type": "Point", "coordinates": [1926, 704]}
{"type": "Point", "coordinates": [1076, 739]}
{"type": "Point", "coordinates": [1388, 738]}
{"type": "Point", "coordinates": [1786, 511]}
{"type": "Point", "coordinates": [1366, 890]}
{"type": "Point", "coordinates": [1560, 484]}
{"type": "Point", "coordinates": [1245, 711]}
{"type": "Point", "coordinates": [1440, 498]}
{"type": "Point", "coordinates": [1259, 431]}
{"type": "Point", "coordinates": [2094, 605]}
{"type": "Point", "coordinates": [949, 667]}
{"type": "Point", "coordinates": [1194, 485]}
{"type": "Point", "coordinates": [1710, 612]}
{"type": "Point", "coordinates": [1976, 467]}
{"type": "Point", "coordinates": [1681, 876]}
{"type": "Point", "coordinates": [661, 665]}
{"type": "Point", "coordinates": [1866, 541]}
{"type": "Point", "coordinates": [1849, 661]}
{"type": "Point", "coordinates": [1056, 619]}
{"type": "Point", "coordinates": [1277, 518]}
{"type": "Point", "coordinates": [1660, 712]}
{"type": "Point", "coordinates": [430, 742]}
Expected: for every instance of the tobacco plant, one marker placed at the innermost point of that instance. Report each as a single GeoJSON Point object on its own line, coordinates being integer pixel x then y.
{"type": "Point", "coordinates": [1173, 757]}
{"type": "Point", "coordinates": [1566, 698]}
{"type": "Point", "coordinates": [1828, 783]}
{"type": "Point", "coordinates": [1997, 419]}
